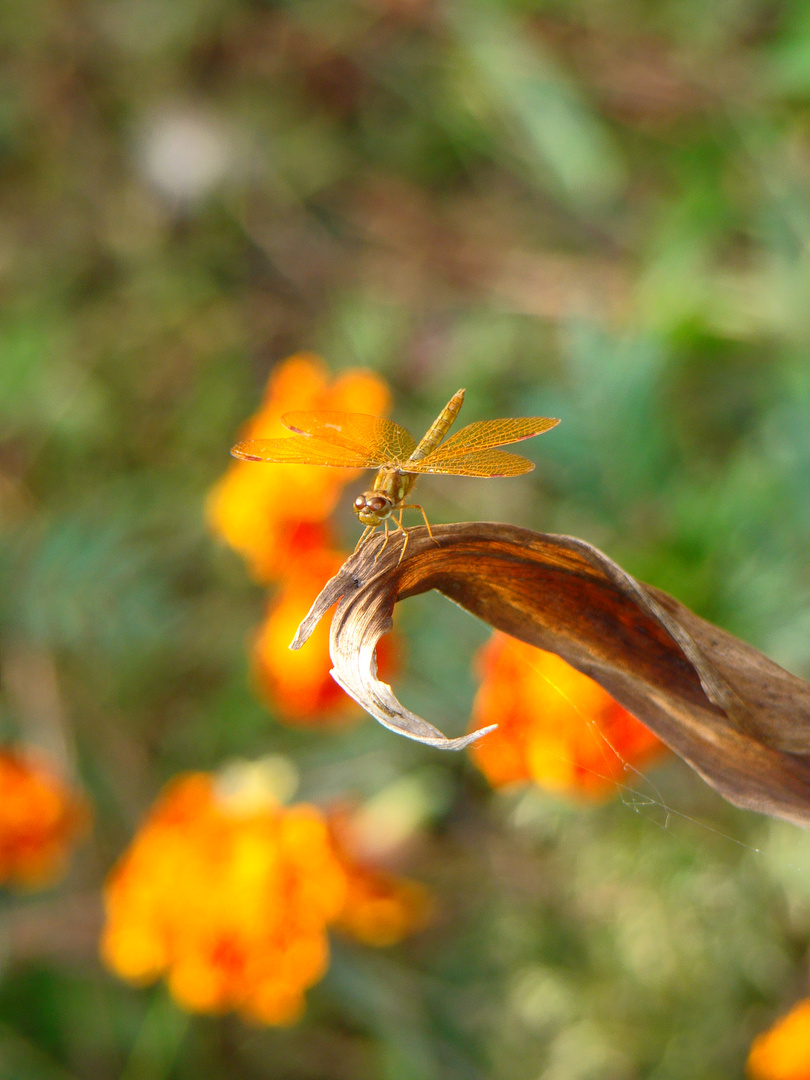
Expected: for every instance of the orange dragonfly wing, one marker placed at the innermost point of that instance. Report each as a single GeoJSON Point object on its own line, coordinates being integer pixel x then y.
{"type": "Point", "coordinates": [488, 462]}
{"type": "Point", "coordinates": [301, 450]}
{"type": "Point", "coordinates": [490, 433]}
{"type": "Point", "coordinates": [378, 440]}
{"type": "Point", "coordinates": [472, 451]}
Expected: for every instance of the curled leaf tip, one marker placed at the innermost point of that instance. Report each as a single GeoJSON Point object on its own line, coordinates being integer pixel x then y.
{"type": "Point", "coordinates": [332, 591]}
{"type": "Point", "coordinates": [356, 629]}
{"type": "Point", "coordinates": [741, 721]}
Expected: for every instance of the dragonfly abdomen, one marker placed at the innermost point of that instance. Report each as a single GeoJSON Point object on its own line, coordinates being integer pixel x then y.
{"type": "Point", "coordinates": [439, 428]}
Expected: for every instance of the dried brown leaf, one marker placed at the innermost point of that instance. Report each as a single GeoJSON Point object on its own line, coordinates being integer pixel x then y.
{"type": "Point", "coordinates": [735, 716]}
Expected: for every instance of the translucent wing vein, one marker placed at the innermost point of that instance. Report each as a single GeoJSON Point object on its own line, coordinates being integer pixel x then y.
{"type": "Point", "coordinates": [303, 450]}
{"type": "Point", "coordinates": [477, 463]}
{"type": "Point", "coordinates": [370, 436]}
{"type": "Point", "coordinates": [486, 434]}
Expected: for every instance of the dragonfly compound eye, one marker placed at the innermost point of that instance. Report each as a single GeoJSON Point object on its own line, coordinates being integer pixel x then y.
{"type": "Point", "coordinates": [377, 504]}
{"type": "Point", "coordinates": [360, 502]}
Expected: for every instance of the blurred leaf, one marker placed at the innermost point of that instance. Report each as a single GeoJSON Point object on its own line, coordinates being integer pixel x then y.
{"type": "Point", "coordinates": [89, 585]}
{"type": "Point", "coordinates": [385, 998]}
{"type": "Point", "coordinates": [550, 125]}
{"type": "Point", "coordinates": [163, 1030]}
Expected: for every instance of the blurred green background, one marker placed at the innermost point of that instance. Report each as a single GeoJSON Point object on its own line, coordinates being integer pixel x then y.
{"type": "Point", "coordinates": [598, 211]}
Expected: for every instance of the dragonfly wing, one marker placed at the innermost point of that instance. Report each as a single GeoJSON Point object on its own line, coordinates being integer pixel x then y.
{"type": "Point", "coordinates": [372, 436]}
{"type": "Point", "coordinates": [490, 433]}
{"type": "Point", "coordinates": [487, 462]}
{"type": "Point", "coordinates": [301, 450]}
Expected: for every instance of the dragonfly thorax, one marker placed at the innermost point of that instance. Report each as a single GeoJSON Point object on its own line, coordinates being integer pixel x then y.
{"type": "Point", "coordinates": [390, 488]}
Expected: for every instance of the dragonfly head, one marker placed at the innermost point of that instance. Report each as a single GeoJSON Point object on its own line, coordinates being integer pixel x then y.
{"type": "Point", "coordinates": [372, 507]}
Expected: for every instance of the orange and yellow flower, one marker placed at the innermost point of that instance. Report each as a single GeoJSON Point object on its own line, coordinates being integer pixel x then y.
{"type": "Point", "coordinates": [381, 908]}
{"type": "Point", "coordinates": [556, 726]}
{"type": "Point", "coordinates": [259, 510]}
{"type": "Point", "coordinates": [277, 518]}
{"type": "Point", "coordinates": [40, 819]}
{"type": "Point", "coordinates": [783, 1052]}
{"type": "Point", "coordinates": [228, 894]}
{"type": "Point", "coordinates": [298, 685]}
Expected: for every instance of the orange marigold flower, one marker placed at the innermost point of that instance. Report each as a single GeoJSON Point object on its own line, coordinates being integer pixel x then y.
{"type": "Point", "coordinates": [258, 509]}
{"type": "Point", "coordinates": [228, 894]}
{"type": "Point", "coordinates": [298, 684]}
{"type": "Point", "coordinates": [381, 908]}
{"type": "Point", "coordinates": [555, 725]}
{"type": "Point", "coordinates": [783, 1052]}
{"type": "Point", "coordinates": [40, 818]}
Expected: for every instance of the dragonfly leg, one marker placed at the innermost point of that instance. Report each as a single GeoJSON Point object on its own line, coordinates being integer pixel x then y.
{"type": "Point", "coordinates": [385, 541]}
{"type": "Point", "coordinates": [399, 525]}
{"type": "Point", "coordinates": [366, 533]}
{"type": "Point", "coordinates": [421, 509]}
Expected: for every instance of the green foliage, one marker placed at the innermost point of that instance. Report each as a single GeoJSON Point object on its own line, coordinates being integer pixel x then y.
{"type": "Point", "coordinates": [595, 211]}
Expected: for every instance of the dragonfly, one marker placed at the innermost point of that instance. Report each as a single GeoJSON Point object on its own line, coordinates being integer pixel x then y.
{"type": "Point", "coordinates": [357, 441]}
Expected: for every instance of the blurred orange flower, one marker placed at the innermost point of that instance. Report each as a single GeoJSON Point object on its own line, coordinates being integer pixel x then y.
{"type": "Point", "coordinates": [40, 818]}
{"type": "Point", "coordinates": [228, 894]}
{"type": "Point", "coordinates": [783, 1052]}
{"type": "Point", "coordinates": [298, 684]}
{"type": "Point", "coordinates": [259, 509]}
{"type": "Point", "coordinates": [381, 908]}
{"type": "Point", "coordinates": [556, 726]}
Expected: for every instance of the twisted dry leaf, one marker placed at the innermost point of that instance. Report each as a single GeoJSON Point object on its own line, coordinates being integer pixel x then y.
{"type": "Point", "coordinates": [735, 716]}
